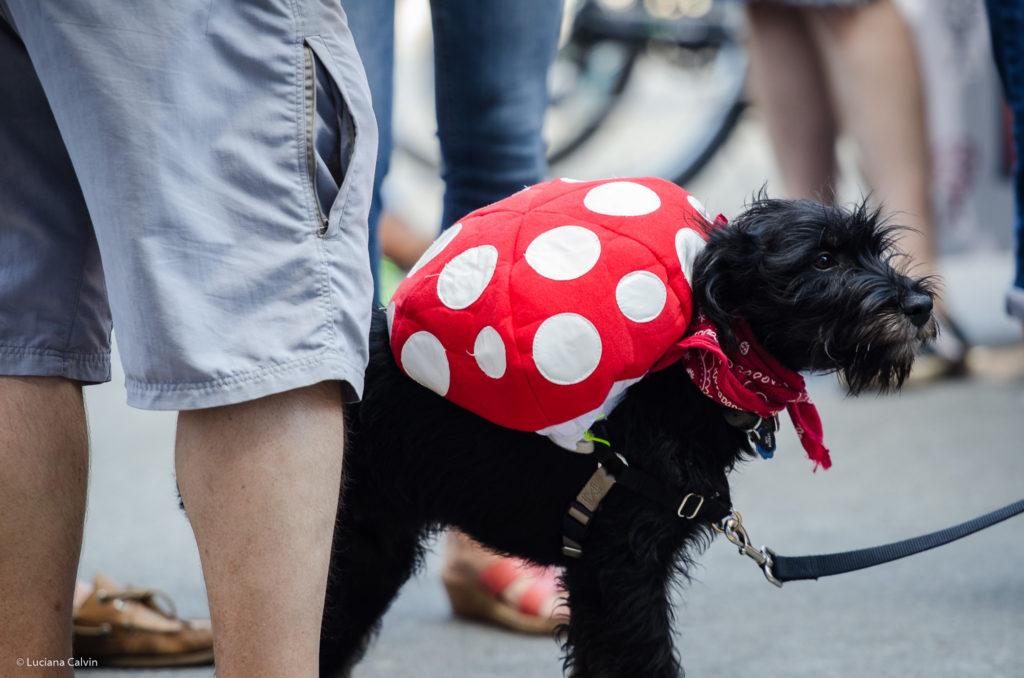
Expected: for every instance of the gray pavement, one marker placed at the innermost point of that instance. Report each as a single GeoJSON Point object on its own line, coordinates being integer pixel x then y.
{"type": "Point", "coordinates": [927, 458]}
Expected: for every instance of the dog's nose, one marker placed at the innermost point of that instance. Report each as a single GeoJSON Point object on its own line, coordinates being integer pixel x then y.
{"type": "Point", "coordinates": [918, 308]}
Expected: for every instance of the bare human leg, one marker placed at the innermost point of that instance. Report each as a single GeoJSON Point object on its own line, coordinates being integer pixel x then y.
{"type": "Point", "coordinates": [260, 481]}
{"type": "Point", "coordinates": [877, 80]}
{"type": "Point", "coordinates": [44, 453]}
{"type": "Point", "coordinates": [791, 92]}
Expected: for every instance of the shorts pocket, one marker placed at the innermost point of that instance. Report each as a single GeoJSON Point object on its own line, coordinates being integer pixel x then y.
{"type": "Point", "coordinates": [334, 143]}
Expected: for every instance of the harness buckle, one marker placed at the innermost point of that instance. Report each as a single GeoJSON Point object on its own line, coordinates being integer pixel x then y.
{"type": "Point", "coordinates": [682, 512]}
{"type": "Point", "coordinates": [570, 548]}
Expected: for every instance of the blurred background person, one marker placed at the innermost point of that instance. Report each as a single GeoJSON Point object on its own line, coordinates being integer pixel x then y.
{"type": "Point", "coordinates": [1006, 22]}
{"type": "Point", "coordinates": [822, 65]}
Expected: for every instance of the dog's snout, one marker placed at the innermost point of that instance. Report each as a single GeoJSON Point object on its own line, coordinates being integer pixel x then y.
{"type": "Point", "coordinates": [918, 308]}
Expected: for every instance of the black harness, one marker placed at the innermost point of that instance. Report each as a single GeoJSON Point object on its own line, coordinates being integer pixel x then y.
{"type": "Point", "coordinates": [613, 469]}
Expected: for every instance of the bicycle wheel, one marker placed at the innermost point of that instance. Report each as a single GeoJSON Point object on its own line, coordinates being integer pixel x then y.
{"type": "Point", "coordinates": [635, 90]}
{"type": "Point", "coordinates": [672, 86]}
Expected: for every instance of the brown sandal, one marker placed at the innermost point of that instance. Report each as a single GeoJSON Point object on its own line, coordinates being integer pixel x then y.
{"type": "Point", "coordinates": [128, 627]}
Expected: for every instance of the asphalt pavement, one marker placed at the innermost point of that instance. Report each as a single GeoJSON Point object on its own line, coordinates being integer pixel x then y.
{"type": "Point", "coordinates": [904, 464]}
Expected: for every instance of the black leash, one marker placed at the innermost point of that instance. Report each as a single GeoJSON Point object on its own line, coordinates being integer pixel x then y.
{"type": "Point", "coordinates": [779, 569]}
{"type": "Point", "coordinates": [813, 567]}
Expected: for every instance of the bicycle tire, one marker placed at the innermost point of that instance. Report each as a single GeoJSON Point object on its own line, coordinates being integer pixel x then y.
{"type": "Point", "coordinates": [689, 168]}
{"type": "Point", "coordinates": [692, 46]}
{"type": "Point", "coordinates": [557, 153]}
{"type": "Point", "coordinates": [632, 43]}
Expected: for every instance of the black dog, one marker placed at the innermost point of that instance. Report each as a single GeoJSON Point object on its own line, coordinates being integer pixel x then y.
{"type": "Point", "coordinates": [818, 288]}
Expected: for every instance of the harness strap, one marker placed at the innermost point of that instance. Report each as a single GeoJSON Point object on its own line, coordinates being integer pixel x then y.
{"type": "Point", "coordinates": [612, 469]}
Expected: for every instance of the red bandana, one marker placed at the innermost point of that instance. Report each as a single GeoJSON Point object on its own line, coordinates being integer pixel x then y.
{"type": "Point", "coordinates": [754, 381]}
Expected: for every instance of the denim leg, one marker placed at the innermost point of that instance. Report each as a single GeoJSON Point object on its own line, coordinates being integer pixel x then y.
{"type": "Point", "coordinates": [1006, 22]}
{"type": "Point", "coordinates": [491, 60]}
{"type": "Point", "coordinates": [372, 23]}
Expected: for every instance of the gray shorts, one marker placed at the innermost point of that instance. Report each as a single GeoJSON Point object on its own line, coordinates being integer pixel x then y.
{"type": "Point", "coordinates": [201, 172]}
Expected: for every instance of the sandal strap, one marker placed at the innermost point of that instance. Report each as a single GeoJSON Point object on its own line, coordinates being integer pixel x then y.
{"type": "Point", "coordinates": [501, 574]}
{"type": "Point", "coordinates": [151, 598]}
{"type": "Point", "coordinates": [536, 595]}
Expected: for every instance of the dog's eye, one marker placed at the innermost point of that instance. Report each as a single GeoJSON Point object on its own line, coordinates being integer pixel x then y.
{"type": "Point", "coordinates": [824, 262]}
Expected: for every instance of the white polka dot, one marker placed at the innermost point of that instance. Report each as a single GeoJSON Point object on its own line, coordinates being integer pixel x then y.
{"type": "Point", "coordinates": [423, 359]}
{"type": "Point", "coordinates": [390, 313]}
{"type": "Point", "coordinates": [699, 206]}
{"type": "Point", "coordinates": [622, 199]}
{"type": "Point", "coordinates": [435, 248]}
{"type": "Point", "coordinates": [571, 181]}
{"type": "Point", "coordinates": [464, 278]}
{"type": "Point", "coordinates": [641, 296]}
{"type": "Point", "coordinates": [564, 253]}
{"type": "Point", "coordinates": [489, 351]}
{"type": "Point", "coordinates": [688, 246]}
{"type": "Point", "coordinates": [566, 348]}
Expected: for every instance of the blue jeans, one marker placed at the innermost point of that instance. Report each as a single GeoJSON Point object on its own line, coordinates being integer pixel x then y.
{"type": "Point", "coordinates": [1006, 21]}
{"type": "Point", "coordinates": [491, 59]}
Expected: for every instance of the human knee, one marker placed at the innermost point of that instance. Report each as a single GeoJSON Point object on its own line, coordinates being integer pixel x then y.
{"type": "Point", "coordinates": [774, 14]}
{"type": "Point", "coordinates": [33, 397]}
{"type": "Point", "coordinates": [304, 400]}
{"type": "Point", "coordinates": [845, 24]}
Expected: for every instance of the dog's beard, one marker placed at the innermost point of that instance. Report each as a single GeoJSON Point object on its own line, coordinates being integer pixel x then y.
{"type": "Point", "coordinates": [877, 355]}
{"type": "Point", "coordinates": [865, 334]}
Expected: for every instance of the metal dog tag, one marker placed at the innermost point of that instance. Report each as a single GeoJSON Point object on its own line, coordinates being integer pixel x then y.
{"type": "Point", "coordinates": [763, 436]}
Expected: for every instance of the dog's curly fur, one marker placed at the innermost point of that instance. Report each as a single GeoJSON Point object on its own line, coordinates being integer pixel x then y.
{"type": "Point", "coordinates": [821, 289]}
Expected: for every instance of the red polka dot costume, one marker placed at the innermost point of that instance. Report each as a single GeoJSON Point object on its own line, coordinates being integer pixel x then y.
{"type": "Point", "coordinates": [538, 311]}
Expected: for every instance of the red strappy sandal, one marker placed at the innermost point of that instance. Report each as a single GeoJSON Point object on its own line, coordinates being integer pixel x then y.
{"type": "Point", "coordinates": [499, 594]}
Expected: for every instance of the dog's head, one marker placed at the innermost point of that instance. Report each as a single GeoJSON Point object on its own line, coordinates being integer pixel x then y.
{"type": "Point", "coordinates": [823, 289]}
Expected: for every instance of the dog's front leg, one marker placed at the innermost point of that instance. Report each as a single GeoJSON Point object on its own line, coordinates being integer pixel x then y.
{"type": "Point", "coordinates": [621, 621]}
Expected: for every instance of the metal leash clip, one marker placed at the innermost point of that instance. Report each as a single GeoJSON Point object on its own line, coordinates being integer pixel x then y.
{"type": "Point", "coordinates": [732, 527]}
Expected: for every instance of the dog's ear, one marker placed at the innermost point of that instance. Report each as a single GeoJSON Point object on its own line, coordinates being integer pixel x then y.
{"type": "Point", "coordinates": [721, 271]}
